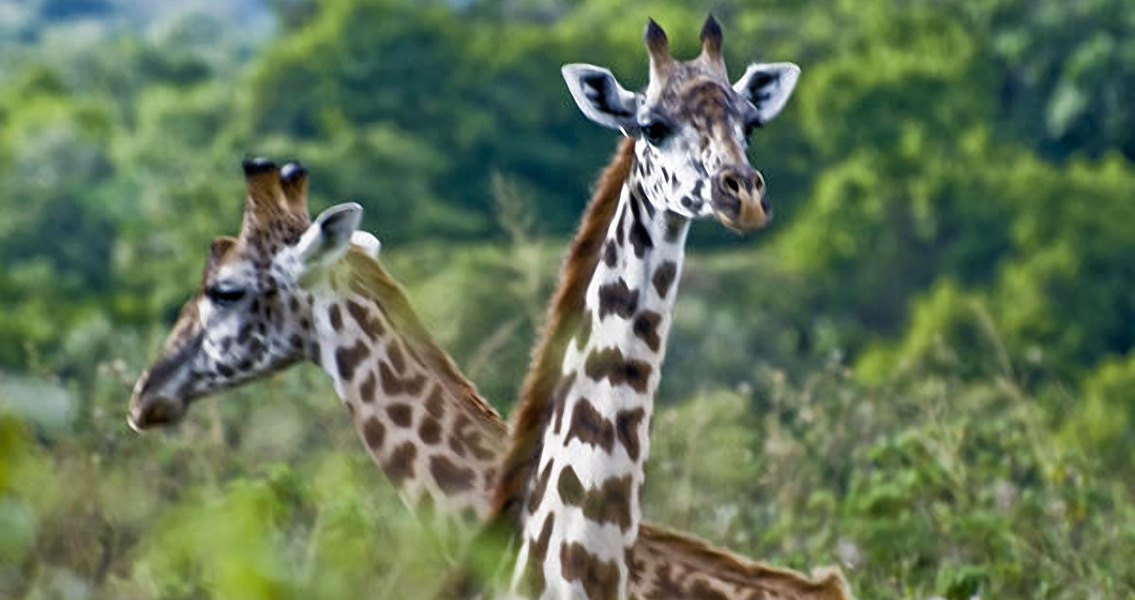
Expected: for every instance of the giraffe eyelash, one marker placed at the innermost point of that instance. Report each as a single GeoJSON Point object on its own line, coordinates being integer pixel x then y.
{"type": "Point", "coordinates": [222, 296]}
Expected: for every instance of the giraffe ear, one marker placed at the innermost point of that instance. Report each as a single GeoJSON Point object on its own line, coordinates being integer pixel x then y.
{"type": "Point", "coordinates": [600, 96]}
{"type": "Point", "coordinates": [768, 86]}
{"type": "Point", "coordinates": [328, 238]}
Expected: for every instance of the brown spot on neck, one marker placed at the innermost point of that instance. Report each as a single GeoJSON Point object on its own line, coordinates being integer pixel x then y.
{"type": "Point", "coordinates": [399, 465]}
{"type": "Point", "coordinates": [374, 433]}
{"type": "Point", "coordinates": [600, 578]}
{"type": "Point", "coordinates": [367, 388]}
{"type": "Point", "coordinates": [646, 329]}
{"type": "Point", "coordinates": [400, 414]}
{"type": "Point", "coordinates": [370, 324]}
{"type": "Point", "coordinates": [590, 427]}
{"type": "Point", "coordinates": [393, 385]}
{"type": "Point", "coordinates": [559, 401]}
{"type": "Point", "coordinates": [541, 486]}
{"type": "Point", "coordinates": [617, 298]}
{"type": "Point", "coordinates": [569, 487]}
{"type": "Point", "coordinates": [430, 431]}
{"type": "Point", "coordinates": [664, 278]}
{"type": "Point", "coordinates": [348, 359]}
{"type": "Point", "coordinates": [611, 364]}
{"type": "Point", "coordinates": [610, 254]}
{"type": "Point", "coordinates": [626, 428]}
{"type": "Point", "coordinates": [397, 359]}
{"type": "Point", "coordinates": [452, 479]}
{"type": "Point", "coordinates": [639, 235]}
{"type": "Point", "coordinates": [610, 503]}
{"type": "Point", "coordinates": [435, 403]}
{"type": "Point", "coordinates": [472, 437]}
{"type": "Point", "coordinates": [535, 567]}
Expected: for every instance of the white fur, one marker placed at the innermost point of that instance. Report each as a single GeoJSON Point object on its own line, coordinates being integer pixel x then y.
{"type": "Point", "coordinates": [367, 242]}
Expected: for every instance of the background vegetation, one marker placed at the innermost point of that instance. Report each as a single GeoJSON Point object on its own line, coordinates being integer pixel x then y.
{"type": "Point", "coordinates": [924, 371]}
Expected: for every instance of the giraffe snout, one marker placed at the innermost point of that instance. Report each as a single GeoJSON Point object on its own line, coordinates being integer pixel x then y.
{"type": "Point", "coordinates": [155, 412]}
{"type": "Point", "coordinates": [148, 408]}
{"type": "Point", "coordinates": [739, 198]}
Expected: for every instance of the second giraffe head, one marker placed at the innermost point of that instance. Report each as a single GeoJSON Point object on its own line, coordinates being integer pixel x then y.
{"type": "Point", "coordinates": [691, 127]}
{"type": "Point", "coordinates": [250, 315]}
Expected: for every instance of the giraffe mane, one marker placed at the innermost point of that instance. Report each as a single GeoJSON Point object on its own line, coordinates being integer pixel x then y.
{"type": "Point", "coordinates": [726, 566]}
{"type": "Point", "coordinates": [534, 408]}
{"type": "Point", "coordinates": [369, 278]}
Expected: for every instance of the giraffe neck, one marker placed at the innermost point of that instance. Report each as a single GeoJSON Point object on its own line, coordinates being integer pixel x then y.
{"type": "Point", "coordinates": [419, 418]}
{"type": "Point", "coordinates": [582, 512]}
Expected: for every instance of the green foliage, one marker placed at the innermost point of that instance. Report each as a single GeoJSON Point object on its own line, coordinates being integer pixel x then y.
{"type": "Point", "coordinates": [922, 372]}
{"type": "Point", "coordinates": [1102, 423]}
{"type": "Point", "coordinates": [926, 486]}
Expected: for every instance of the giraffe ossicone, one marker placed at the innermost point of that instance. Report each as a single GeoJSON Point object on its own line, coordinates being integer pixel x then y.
{"type": "Point", "coordinates": [445, 417]}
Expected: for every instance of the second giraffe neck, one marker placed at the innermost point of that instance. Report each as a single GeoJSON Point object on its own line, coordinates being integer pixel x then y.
{"type": "Point", "coordinates": [420, 419]}
{"type": "Point", "coordinates": [582, 512]}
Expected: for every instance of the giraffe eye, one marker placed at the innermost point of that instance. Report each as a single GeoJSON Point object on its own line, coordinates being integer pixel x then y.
{"type": "Point", "coordinates": [224, 296]}
{"type": "Point", "coordinates": [655, 131]}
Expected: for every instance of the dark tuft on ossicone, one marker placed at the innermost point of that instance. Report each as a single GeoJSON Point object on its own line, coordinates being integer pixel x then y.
{"type": "Point", "coordinates": [711, 35]}
{"type": "Point", "coordinates": [292, 171]}
{"type": "Point", "coordinates": [255, 165]}
{"type": "Point", "coordinates": [655, 37]}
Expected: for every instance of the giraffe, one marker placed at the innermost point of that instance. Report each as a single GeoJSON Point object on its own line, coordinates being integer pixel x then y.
{"type": "Point", "coordinates": [251, 317]}
{"type": "Point", "coordinates": [280, 293]}
{"type": "Point", "coordinates": [573, 475]}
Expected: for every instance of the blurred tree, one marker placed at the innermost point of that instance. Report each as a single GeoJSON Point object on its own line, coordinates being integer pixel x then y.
{"type": "Point", "coordinates": [1065, 70]}
{"type": "Point", "coordinates": [70, 9]}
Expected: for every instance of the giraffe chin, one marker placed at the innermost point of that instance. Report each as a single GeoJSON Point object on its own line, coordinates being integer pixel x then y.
{"type": "Point", "coordinates": [746, 221]}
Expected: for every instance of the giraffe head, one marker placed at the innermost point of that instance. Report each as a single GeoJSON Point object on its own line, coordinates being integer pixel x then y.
{"type": "Point", "coordinates": [691, 127]}
{"type": "Point", "coordinates": [249, 316]}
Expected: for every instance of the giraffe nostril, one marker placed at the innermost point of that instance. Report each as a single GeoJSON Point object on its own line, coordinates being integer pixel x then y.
{"type": "Point", "coordinates": [730, 182]}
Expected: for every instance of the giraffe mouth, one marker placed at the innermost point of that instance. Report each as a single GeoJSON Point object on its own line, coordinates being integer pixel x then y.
{"type": "Point", "coordinates": [746, 219]}
{"type": "Point", "coordinates": [154, 412]}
